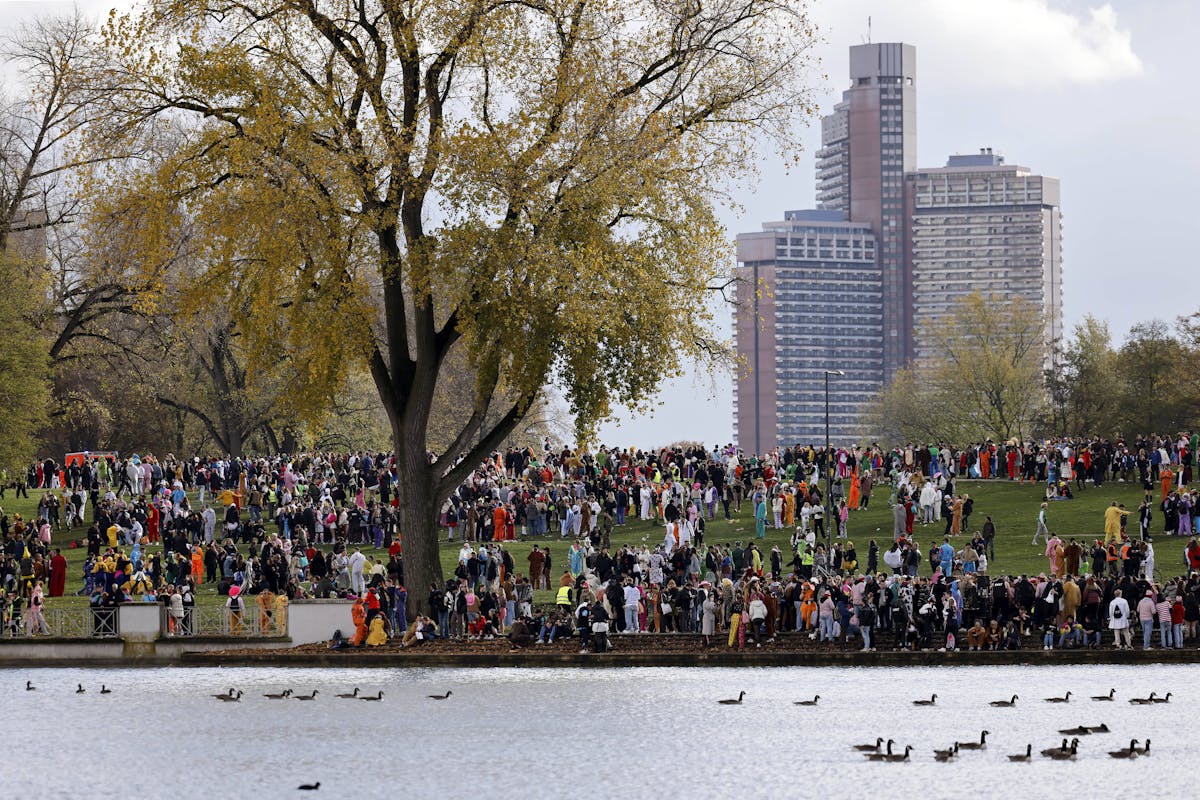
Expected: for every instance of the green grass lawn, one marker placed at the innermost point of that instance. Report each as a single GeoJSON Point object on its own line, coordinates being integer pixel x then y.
{"type": "Point", "coordinates": [1013, 508]}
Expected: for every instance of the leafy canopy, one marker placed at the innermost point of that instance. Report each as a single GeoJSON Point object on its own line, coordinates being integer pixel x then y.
{"type": "Point", "coordinates": [533, 180]}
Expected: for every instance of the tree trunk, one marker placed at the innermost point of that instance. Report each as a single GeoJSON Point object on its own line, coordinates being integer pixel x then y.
{"type": "Point", "coordinates": [417, 516]}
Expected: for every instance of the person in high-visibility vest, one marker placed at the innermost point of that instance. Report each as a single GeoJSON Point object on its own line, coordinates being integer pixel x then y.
{"type": "Point", "coordinates": [564, 598]}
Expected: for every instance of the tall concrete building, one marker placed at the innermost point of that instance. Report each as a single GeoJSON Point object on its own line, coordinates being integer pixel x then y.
{"type": "Point", "coordinates": [891, 247]}
{"type": "Point", "coordinates": [980, 224]}
{"type": "Point", "coordinates": [809, 298]}
{"type": "Point", "coordinates": [833, 159]}
{"type": "Point", "coordinates": [882, 120]}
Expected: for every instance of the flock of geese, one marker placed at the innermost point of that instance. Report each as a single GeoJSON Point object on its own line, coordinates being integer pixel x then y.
{"type": "Point", "coordinates": [882, 751]}
{"type": "Point", "coordinates": [235, 695]}
{"type": "Point", "coordinates": [79, 688]}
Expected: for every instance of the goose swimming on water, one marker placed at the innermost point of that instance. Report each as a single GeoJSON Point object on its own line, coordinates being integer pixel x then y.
{"type": "Point", "coordinates": [1132, 752]}
{"type": "Point", "coordinates": [1028, 754]}
{"type": "Point", "coordinates": [980, 745]}
{"type": "Point", "coordinates": [869, 748]}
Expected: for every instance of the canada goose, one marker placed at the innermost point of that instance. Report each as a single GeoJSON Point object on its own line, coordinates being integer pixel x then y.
{"type": "Point", "coordinates": [1065, 755]}
{"type": "Point", "coordinates": [80, 690]}
{"type": "Point", "coordinates": [928, 702]}
{"type": "Point", "coordinates": [29, 687]}
{"type": "Point", "coordinates": [1132, 752]}
{"type": "Point", "coordinates": [1101, 728]}
{"type": "Point", "coordinates": [312, 696]}
{"type": "Point", "coordinates": [1065, 699]}
{"type": "Point", "coordinates": [1166, 699]}
{"type": "Point", "coordinates": [1064, 746]}
{"type": "Point", "coordinates": [1145, 751]}
{"type": "Point", "coordinates": [1082, 730]}
{"type": "Point", "coordinates": [446, 696]}
{"type": "Point", "coordinates": [895, 757]}
{"type": "Point", "coordinates": [980, 745]}
{"type": "Point", "coordinates": [310, 787]}
{"type": "Point", "coordinates": [1028, 754]}
{"type": "Point", "coordinates": [737, 702]}
{"type": "Point", "coordinates": [104, 689]}
{"type": "Point", "coordinates": [1142, 701]}
{"type": "Point", "coordinates": [374, 699]}
{"type": "Point", "coordinates": [1004, 703]}
{"type": "Point", "coordinates": [945, 755]}
{"type": "Point", "coordinates": [869, 748]}
{"type": "Point", "coordinates": [881, 756]}
{"type": "Point", "coordinates": [812, 702]}
{"type": "Point", "coordinates": [351, 696]}
{"type": "Point", "coordinates": [1105, 698]}
{"type": "Point", "coordinates": [285, 694]}
{"type": "Point", "coordinates": [231, 696]}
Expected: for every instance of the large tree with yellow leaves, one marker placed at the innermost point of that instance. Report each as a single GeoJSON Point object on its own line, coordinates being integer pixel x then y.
{"type": "Point", "coordinates": [532, 181]}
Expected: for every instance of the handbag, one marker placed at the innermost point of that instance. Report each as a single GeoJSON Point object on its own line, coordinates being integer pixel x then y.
{"type": "Point", "coordinates": [666, 607]}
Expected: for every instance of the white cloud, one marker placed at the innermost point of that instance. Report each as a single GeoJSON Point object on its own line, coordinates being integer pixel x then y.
{"type": "Point", "coordinates": [998, 43]}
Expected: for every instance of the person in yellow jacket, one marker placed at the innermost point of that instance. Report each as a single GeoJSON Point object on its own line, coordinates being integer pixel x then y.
{"type": "Point", "coordinates": [377, 636]}
{"type": "Point", "coordinates": [279, 616]}
{"type": "Point", "coordinates": [265, 602]}
{"type": "Point", "coordinates": [1114, 516]}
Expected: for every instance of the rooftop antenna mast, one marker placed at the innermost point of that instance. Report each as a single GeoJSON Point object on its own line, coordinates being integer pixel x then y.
{"type": "Point", "coordinates": [868, 29]}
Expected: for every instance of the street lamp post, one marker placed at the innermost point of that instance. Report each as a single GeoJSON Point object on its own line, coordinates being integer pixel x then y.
{"type": "Point", "coordinates": [829, 518]}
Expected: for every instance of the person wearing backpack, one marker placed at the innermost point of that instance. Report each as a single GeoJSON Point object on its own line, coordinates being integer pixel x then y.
{"type": "Point", "coordinates": [234, 606]}
{"type": "Point", "coordinates": [1118, 621]}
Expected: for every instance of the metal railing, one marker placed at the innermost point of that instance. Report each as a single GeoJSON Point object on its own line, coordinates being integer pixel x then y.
{"type": "Point", "coordinates": [218, 621]}
{"type": "Point", "coordinates": [82, 623]}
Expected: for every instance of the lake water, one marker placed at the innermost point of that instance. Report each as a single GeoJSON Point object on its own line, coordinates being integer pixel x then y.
{"type": "Point", "coordinates": [587, 733]}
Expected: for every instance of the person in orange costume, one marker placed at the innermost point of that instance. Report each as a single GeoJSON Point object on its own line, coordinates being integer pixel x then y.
{"type": "Point", "coordinates": [808, 607]}
{"type": "Point", "coordinates": [358, 615]}
{"type": "Point", "coordinates": [197, 565]}
{"type": "Point", "coordinates": [855, 492]}
{"type": "Point", "coordinates": [1167, 478]}
{"type": "Point", "coordinates": [499, 520]}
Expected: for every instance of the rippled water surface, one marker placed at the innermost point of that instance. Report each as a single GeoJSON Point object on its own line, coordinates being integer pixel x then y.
{"type": "Point", "coordinates": [589, 733]}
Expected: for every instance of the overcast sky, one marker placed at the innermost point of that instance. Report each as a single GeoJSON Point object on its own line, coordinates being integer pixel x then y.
{"type": "Point", "coordinates": [1100, 96]}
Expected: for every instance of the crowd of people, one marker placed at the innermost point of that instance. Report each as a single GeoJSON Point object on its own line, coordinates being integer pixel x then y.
{"type": "Point", "coordinates": [285, 527]}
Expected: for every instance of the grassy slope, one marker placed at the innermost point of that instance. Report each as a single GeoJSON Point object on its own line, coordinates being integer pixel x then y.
{"type": "Point", "coordinates": [1013, 508]}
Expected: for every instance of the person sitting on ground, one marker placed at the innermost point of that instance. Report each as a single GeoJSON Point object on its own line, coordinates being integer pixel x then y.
{"type": "Point", "coordinates": [977, 636]}
{"type": "Point", "coordinates": [518, 635]}
{"type": "Point", "coordinates": [377, 635]}
{"type": "Point", "coordinates": [994, 635]}
{"type": "Point", "coordinates": [1070, 633]}
{"type": "Point", "coordinates": [420, 631]}
{"type": "Point", "coordinates": [557, 626]}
